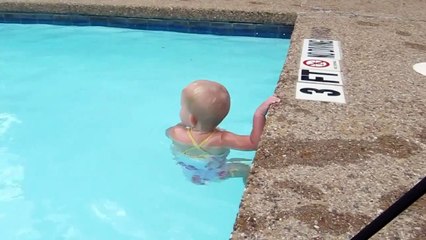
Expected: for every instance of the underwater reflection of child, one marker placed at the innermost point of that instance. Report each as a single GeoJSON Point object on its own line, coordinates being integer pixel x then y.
{"type": "Point", "coordinates": [199, 146]}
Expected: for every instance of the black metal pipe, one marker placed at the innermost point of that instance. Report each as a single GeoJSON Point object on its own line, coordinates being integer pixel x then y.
{"type": "Point", "coordinates": [394, 210]}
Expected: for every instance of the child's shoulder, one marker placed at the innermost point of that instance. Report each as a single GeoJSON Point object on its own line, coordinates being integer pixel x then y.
{"type": "Point", "coordinates": [176, 132]}
{"type": "Point", "coordinates": [179, 133]}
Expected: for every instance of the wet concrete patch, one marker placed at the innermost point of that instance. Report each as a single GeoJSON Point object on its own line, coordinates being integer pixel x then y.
{"type": "Point", "coordinates": [403, 33]}
{"type": "Point", "coordinates": [369, 24]}
{"type": "Point", "coordinates": [283, 119]}
{"type": "Point", "coordinates": [307, 191]}
{"type": "Point", "coordinates": [418, 228]}
{"type": "Point", "coordinates": [320, 32]}
{"type": "Point", "coordinates": [391, 197]}
{"type": "Point", "coordinates": [284, 152]}
{"type": "Point", "coordinates": [297, 109]}
{"type": "Point", "coordinates": [416, 46]}
{"type": "Point", "coordinates": [256, 3]}
{"type": "Point", "coordinates": [394, 146]}
{"type": "Point", "coordinates": [332, 222]}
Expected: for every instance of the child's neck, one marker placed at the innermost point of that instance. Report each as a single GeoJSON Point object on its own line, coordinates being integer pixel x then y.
{"type": "Point", "coordinates": [200, 130]}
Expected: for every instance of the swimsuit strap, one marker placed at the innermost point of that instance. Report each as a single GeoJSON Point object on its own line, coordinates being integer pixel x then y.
{"type": "Point", "coordinates": [196, 145]}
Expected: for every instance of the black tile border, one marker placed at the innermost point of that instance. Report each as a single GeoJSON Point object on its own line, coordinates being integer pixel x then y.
{"type": "Point", "coordinates": [175, 25]}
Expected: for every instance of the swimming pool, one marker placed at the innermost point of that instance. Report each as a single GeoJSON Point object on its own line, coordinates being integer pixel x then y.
{"type": "Point", "coordinates": [83, 110]}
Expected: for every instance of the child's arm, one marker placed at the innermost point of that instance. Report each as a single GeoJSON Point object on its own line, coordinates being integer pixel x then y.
{"type": "Point", "coordinates": [250, 142]}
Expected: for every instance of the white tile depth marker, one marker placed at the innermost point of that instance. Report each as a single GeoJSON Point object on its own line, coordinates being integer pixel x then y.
{"type": "Point", "coordinates": [320, 77]}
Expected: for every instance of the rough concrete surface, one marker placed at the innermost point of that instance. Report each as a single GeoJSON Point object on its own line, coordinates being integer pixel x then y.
{"type": "Point", "coordinates": [323, 170]}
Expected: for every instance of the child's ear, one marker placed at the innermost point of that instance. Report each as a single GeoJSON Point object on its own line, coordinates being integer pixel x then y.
{"type": "Point", "coordinates": [193, 120]}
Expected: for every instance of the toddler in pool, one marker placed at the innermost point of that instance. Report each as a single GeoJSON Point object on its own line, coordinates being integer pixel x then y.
{"type": "Point", "coordinates": [199, 146]}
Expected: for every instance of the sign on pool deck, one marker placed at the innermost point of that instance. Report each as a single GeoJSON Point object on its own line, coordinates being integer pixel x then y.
{"type": "Point", "coordinates": [320, 77]}
{"type": "Point", "coordinates": [320, 64]}
{"type": "Point", "coordinates": [315, 92]}
{"type": "Point", "coordinates": [316, 48]}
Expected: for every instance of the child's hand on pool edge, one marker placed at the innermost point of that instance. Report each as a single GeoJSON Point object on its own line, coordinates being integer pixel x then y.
{"type": "Point", "coordinates": [264, 107]}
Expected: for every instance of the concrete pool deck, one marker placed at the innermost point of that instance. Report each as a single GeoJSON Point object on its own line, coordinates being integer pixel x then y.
{"type": "Point", "coordinates": [323, 170]}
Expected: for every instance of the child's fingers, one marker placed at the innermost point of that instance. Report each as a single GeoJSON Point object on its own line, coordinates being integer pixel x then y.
{"type": "Point", "coordinates": [274, 99]}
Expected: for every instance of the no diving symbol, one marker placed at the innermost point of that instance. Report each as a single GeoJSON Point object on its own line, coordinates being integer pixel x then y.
{"type": "Point", "coordinates": [316, 63]}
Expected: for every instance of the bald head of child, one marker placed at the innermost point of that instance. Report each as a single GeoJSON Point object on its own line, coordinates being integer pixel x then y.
{"type": "Point", "coordinates": [204, 105]}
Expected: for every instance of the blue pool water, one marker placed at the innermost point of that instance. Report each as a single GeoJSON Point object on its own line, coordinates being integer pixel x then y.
{"type": "Point", "coordinates": [83, 110]}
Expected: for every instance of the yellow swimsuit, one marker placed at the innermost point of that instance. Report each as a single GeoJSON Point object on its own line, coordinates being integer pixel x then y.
{"type": "Point", "coordinates": [196, 146]}
{"type": "Point", "coordinates": [198, 164]}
